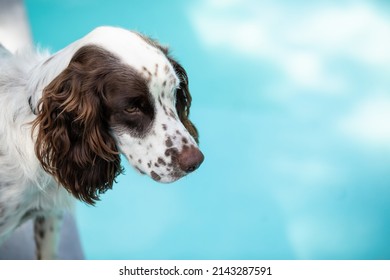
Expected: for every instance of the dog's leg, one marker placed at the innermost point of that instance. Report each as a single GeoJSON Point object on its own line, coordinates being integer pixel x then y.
{"type": "Point", "coordinates": [46, 232]}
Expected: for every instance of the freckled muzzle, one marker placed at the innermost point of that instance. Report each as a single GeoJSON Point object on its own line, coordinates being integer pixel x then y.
{"type": "Point", "coordinates": [179, 163]}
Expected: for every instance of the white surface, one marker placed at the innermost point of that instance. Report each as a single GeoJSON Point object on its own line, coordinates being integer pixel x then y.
{"type": "Point", "coordinates": [14, 29]}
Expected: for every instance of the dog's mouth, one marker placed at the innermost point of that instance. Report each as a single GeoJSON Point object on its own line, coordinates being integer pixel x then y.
{"type": "Point", "coordinates": [167, 178]}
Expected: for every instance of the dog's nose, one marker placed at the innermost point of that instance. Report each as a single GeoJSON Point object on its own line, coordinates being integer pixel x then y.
{"type": "Point", "coordinates": [190, 159]}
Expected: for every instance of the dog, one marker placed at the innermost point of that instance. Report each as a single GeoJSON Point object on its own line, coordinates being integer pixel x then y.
{"type": "Point", "coordinates": [66, 119]}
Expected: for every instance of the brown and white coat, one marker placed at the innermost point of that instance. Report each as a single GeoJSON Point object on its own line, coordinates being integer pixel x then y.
{"type": "Point", "coordinates": [67, 118]}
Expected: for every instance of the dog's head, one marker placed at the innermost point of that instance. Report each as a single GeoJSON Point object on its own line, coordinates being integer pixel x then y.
{"type": "Point", "coordinates": [121, 93]}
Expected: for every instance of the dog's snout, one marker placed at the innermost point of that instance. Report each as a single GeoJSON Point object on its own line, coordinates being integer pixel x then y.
{"type": "Point", "coordinates": [190, 159]}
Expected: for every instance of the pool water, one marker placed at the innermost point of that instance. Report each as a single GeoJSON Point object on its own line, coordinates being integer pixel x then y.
{"type": "Point", "coordinates": [292, 103]}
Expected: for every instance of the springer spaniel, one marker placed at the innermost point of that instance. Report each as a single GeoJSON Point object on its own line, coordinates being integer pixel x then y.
{"type": "Point", "coordinates": [66, 119]}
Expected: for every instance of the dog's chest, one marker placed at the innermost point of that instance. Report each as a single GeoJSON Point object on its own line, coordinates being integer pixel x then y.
{"type": "Point", "coordinates": [19, 205]}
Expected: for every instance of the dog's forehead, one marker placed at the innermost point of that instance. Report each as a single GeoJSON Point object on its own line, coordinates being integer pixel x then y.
{"type": "Point", "coordinates": [136, 51]}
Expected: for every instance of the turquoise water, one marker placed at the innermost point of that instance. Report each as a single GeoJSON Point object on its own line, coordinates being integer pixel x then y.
{"type": "Point", "coordinates": [293, 107]}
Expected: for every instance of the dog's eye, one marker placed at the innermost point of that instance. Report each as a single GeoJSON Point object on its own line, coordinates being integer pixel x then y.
{"type": "Point", "coordinates": [132, 109]}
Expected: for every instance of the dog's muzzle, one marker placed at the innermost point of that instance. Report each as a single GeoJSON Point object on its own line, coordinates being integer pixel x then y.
{"type": "Point", "coordinates": [190, 159]}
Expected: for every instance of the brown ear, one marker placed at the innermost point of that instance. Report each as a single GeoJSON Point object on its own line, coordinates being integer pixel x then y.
{"type": "Point", "coordinates": [73, 141]}
{"type": "Point", "coordinates": [183, 100]}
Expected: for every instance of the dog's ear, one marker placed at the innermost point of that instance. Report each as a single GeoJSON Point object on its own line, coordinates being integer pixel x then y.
{"type": "Point", "coordinates": [73, 139]}
{"type": "Point", "coordinates": [184, 99]}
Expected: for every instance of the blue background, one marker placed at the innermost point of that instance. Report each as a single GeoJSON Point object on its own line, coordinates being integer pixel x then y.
{"type": "Point", "coordinates": [292, 101]}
